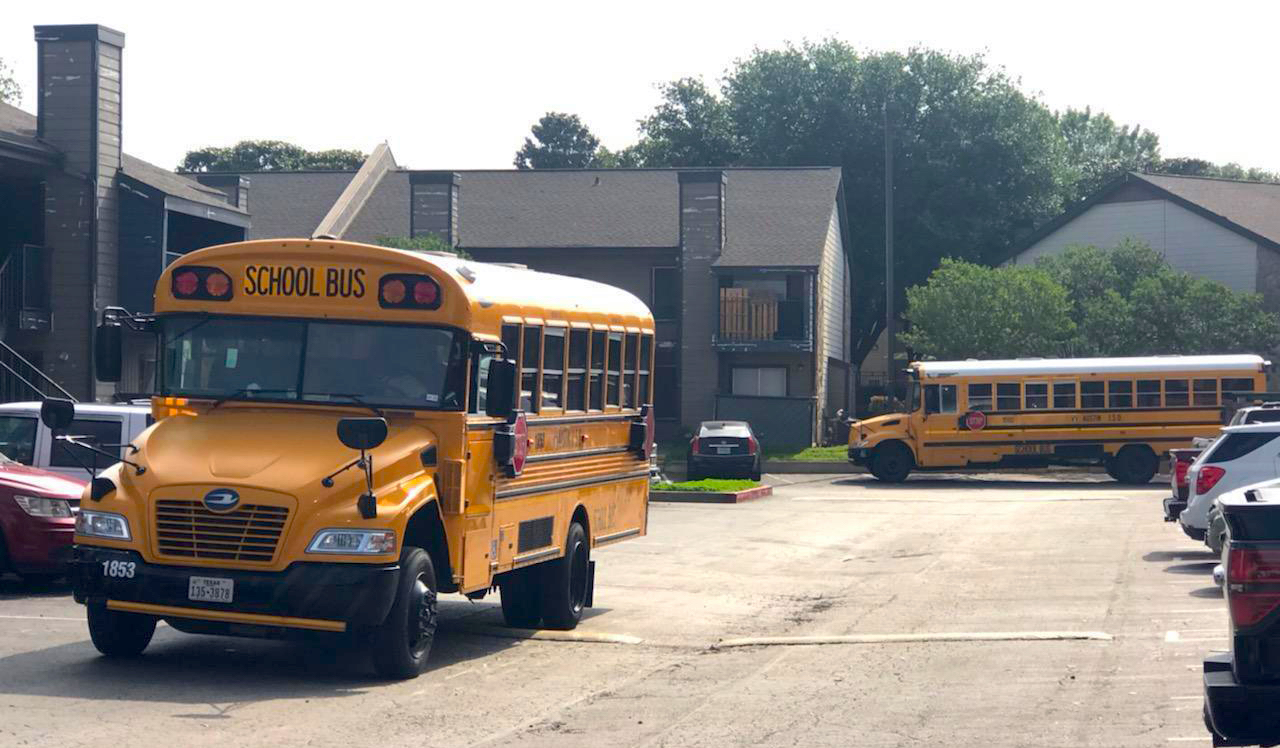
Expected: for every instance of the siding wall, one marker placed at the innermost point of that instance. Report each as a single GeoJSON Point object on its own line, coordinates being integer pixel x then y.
{"type": "Point", "coordinates": [1191, 243]}
{"type": "Point", "coordinates": [833, 317]}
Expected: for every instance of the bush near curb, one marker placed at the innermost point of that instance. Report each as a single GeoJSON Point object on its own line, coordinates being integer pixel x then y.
{"type": "Point", "coordinates": [712, 485]}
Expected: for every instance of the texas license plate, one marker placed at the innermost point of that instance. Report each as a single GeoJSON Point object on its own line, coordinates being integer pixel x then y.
{"type": "Point", "coordinates": [211, 589]}
{"type": "Point", "coordinates": [723, 450]}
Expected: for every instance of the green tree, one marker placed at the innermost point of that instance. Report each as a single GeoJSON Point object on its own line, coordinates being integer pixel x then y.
{"type": "Point", "coordinates": [269, 155]}
{"type": "Point", "coordinates": [977, 162]}
{"type": "Point", "coordinates": [560, 141]}
{"type": "Point", "coordinates": [10, 91]}
{"type": "Point", "coordinates": [1098, 151]}
{"type": "Point", "coordinates": [424, 243]}
{"type": "Point", "coordinates": [973, 311]}
{"type": "Point", "coordinates": [1198, 167]}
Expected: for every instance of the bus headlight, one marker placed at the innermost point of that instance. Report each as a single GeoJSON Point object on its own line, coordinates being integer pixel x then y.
{"type": "Point", "coordinates": [102, 525]}
{"type": "Point", "coordinates": [353, 541]}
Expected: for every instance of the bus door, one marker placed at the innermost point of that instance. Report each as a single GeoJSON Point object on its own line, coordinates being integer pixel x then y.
{"type": "Point", "coordinates": [940, 427]}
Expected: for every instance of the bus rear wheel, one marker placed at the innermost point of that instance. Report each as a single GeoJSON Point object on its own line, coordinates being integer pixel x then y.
{"type": "Point", "coordinates": [892, 462]}
{"type": "Point", "coordinates": [521, 592]}
{"type": "Point", "coordinates": [399, 647]}
{"type": "Point", "coordinates": [1135, 464]}
{"type": "Point", "coordinates": [564, 582]}
{"type": "Point", "coordinates": [119, 634]}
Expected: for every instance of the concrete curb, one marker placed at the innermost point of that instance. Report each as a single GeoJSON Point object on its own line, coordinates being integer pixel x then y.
{"type": "Point", "coordinates": [584, 637]}
{"type": "Point", "coordinates": [1010, 636]}
{"type": "Point", "coordinates": [711, 497]}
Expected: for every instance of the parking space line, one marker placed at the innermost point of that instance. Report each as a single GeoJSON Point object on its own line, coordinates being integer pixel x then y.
{"type": "Point", "coordinates": [1171, 637]}
{"type": "Point", "coordinates": [988, 636]}
{"type": "Point", "coordinates": [591, 637]}
{"type": "Point", "coordinates": [42, 618]}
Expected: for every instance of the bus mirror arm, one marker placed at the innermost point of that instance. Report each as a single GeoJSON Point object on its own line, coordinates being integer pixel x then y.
{"type": "Point", "coordinates": [362, 434]}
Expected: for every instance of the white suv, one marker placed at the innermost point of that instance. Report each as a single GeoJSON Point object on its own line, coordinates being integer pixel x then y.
{"type": "Point", "coordinates": [1243, 455]}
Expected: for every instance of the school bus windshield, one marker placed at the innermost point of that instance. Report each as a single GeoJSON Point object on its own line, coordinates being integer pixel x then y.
{"type": "Point", "coordinates": [312, 361]}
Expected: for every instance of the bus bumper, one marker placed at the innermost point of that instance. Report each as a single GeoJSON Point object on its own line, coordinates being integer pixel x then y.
{"type": "Point", "coordinates": [859, 455]}
{"type": "Point", "coordinates": [1237, 713]}
{"type": "Point", "coordinates": [353, 594]}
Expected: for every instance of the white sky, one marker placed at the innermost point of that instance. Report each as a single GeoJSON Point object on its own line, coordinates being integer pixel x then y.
{"type": "Point", "coordinates": [457, 85]}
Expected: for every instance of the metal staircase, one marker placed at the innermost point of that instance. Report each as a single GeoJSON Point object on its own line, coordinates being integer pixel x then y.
{"type": "Point", "coordinates": [21, 309]}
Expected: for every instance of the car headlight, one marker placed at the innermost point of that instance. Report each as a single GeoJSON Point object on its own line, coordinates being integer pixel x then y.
{"type": "Point", "coordinates": [353, 541]}
{"type": "Point", "coordinates": [102, 525]}
{"type": "Point", "coordinates": [42, 506]}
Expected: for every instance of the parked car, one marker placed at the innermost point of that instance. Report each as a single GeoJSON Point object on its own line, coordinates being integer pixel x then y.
{"type": "Point", "coordinates": [1242, 456]}
{"type": "Point", "coordinates": [37, 520]}
{"type": "Point", "coordinates": [723, 449]}
{"type": "Point", "coordinates": [1242, 686]}
{"type": "Point", "coordinates": [24, 439]}
{"type": "Point", "coordinates": [1179, 462]}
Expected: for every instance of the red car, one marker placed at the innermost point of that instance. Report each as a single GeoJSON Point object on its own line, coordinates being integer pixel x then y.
{"type": "Point", "coordinates": [37, 520]}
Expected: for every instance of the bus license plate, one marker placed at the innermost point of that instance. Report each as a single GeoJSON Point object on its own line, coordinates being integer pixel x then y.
{"type": "Point", "coordinates": [211, 589]}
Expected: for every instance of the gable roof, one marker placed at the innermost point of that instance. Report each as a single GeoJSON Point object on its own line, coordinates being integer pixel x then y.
{"type": "Point", "coordinates": [18, 130]}
{"type": "Point", "coordinates": [291, 203]}
{"type": "Point", "coordinates": [1251, 209]}
{"type": "Point", "coordinates": [778, 217]}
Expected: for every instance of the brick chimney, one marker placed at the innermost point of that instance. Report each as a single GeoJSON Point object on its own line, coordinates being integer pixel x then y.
{"type": "Point", "coordinates": [434, 204]}
{"type": "Point", "coordinates": [702, 237]}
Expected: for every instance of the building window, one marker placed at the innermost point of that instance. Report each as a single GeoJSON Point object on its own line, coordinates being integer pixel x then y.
{"type": "Point", "coordinates": [665, 294]}
{"type": "Point", "coordinates": [552, 367]}
{"type": "Point", "coordinates": [577, 372]}
{"type": "Point", "coordinates": [760, 381]}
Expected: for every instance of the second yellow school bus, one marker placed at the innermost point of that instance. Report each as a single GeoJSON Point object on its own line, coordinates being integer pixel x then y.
{"type": "Point", "coordinates": [1122, 413]}
{"type": "Point", "coordinates": [345, 431]}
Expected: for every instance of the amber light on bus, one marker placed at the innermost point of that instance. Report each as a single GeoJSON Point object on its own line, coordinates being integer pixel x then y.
{"type": "Point", "coordinates": [405, 291]}
{"type": "Point", "coordinates": [204, 283]}
{"type": "Point", "coordinates": [1254, 579]}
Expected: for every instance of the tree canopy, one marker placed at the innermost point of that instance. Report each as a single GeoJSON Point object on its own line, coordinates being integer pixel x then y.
{"type": "Point", "coordinates": [424, 243]}
{"type": "Point", "coordinates": [1086, 301]}
{"type": "Point", "coordinates": [269, 155]}
{"type": "Point", "coordinates": [10, 91]}
{"type": "Point", "coordinates": [560, 141]}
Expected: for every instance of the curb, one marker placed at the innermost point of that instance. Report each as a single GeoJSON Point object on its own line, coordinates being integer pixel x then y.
{"type": "Point", "coordinates": [711, 497]}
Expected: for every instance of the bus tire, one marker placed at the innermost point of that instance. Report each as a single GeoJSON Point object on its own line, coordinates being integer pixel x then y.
{"type": "Point", "coordinates": [892, 462]}
{"type": "Point", "coordinates": [119, 634]}
{"type": "Point", "coordinates": [1136, 464]}
{"type": "Point", "coordinates": [521, 594]}
{"type": "Point", "coordinates": [399, 647]}
{"type": "Point", "coordinates": [564, 582]}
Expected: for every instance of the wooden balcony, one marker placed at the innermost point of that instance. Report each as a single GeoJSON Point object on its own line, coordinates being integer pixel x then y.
{"type": "Point", "coordinates": [755, 320]}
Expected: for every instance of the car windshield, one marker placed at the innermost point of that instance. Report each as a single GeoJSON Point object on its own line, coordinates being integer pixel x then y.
{"type": "Point", "coordinates": [412, 366]}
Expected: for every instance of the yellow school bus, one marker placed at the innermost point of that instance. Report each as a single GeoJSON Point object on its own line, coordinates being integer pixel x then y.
{"type": "Point", "coordinates": [1122, 413]}
{"type": "Point", "coordinates": [344, 431]}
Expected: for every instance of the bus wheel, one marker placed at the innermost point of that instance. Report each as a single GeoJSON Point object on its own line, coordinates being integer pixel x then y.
{"type": "Point", "coordinates": [892, 462]}
{"type": "Point", "coordinates": [118, 634]}
{"type": "Point", "coordinates": [564, 582]}
{"type": "Point", "coordinates": [401, 644]}
{"type": "Point", "coordinates": [521, 592]}
{"type": "Point", "coordinates": [1135, 464]}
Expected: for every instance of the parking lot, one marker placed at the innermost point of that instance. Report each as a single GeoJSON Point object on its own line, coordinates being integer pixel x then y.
{"type": "Point", "coordinates": [974, 610]}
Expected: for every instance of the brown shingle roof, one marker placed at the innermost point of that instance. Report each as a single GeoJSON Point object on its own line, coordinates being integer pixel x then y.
{"type": "Point", "coordinates": [1253, 206]}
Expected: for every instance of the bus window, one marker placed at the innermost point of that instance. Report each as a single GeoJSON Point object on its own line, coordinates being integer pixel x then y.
{"type": "Point", "coordinates": [480, 382]}
{"type": "Point", "coordinates": [552, 367]}
{"type": "Point", "coordinates": [1237, 389]}
{"type": "Point", "coordinates": [642, 377]}
{"type": "Point", "coordinates": [1175, 393]}
{"type": "Point", "coordinates": [1148, 393]}
{"type": "Point", "coordinates": [1205, 392]}
{"type": "Point", "coordinates": [614, 381]}
{"type": "Point", "coordinates": [1064, 395]}
{"type": "Point", "coordinates": [529, 353]}
{"type": "Point", "coordinates": [1091, 395]}
{"type": "Point", "coordinates": [1120, 394]}
{"type": "Point", "coordinates": [629, 371]}
{"type": "Point", "coordinates": [1037, 395]}
{"type": "Point", "coordinates": [980, 397]}
{"type": "Point", "coordinates": [1008, 396]}
{"type": "Point", "coordinates": [511, 343]}
{"type": "Point", "coordinates": [597, 370]}
{"type": "Point", "coordinates": [939, 398]}
{"type": "Point", "coordinates": [576, 399]}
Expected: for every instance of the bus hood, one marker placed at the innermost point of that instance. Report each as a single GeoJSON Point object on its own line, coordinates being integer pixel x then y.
{"type": "Point", "coordinates": [860, 430]}
{"type": "Point", "coordinates": [275, 449]}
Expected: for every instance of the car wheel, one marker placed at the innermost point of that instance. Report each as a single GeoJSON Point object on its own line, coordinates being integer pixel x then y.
{"type": "Point", "coordinates": [119, 634]}
{"type": "Point", "coordinates": [564, 582]}
{"type": "Point", "coordinates": [691, 472]}
{"type": "Point", "coordinates": [521, 592]}
{"type": "Point", "coordinates": [892, 462]}
{"type": "Point", "coordinates": [1136, 464]}
{"type": "Point", "coordinates": [400, 646]}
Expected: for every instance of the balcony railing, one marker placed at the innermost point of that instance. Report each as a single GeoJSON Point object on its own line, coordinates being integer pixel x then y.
{"type": "Point", "coordinates": [751, 317]}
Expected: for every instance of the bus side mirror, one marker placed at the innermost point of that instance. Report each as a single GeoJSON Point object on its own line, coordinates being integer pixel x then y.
{"type": "Point", "coordinates": [57, 413]}
{"type": "Point", "coordinates": [107, 345]}
{"type": "Point", "coordinates": [500, 400]}
{"type": "Point", "coordinates": [362, 433]}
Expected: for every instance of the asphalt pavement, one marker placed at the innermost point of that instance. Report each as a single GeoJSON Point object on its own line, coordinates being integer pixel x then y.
{"type": "Point", "coordinates": [960, 610]}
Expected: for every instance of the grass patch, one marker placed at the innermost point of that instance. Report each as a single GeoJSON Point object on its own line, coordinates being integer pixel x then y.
{"type": "Point", "coordinates": [838, 453]}
{"type": "Point", "coordinates": [715, 485]}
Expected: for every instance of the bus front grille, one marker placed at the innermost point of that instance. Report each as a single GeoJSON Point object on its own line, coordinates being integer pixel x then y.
{"type": "Point", "coordinates": [186, 529]}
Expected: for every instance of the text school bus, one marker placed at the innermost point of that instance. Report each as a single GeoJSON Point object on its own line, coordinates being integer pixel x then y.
{"type": "Point", "coordinates": [1122, 413]}
{"type": "Point", "coordinates": [345, 431]}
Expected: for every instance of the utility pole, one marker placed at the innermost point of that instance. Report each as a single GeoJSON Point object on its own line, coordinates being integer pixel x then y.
{"type": "Point", "coordinates": [889, 331]}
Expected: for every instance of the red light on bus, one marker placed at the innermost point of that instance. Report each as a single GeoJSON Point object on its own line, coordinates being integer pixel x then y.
{"type": "Point", "coordinates": [425, 292]}
{"type": "Point", "coordinates": [217, 284]}
{"type": "Point", "coordinates": [393, 291]}
{"type": "Point", "coordinates": [186, 283]}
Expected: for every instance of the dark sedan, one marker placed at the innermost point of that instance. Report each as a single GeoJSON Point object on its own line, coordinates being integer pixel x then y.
{"type": "Point", "coordinates": [724, 449]}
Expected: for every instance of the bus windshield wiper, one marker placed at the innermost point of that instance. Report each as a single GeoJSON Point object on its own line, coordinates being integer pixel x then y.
{"type": "Point", "coordinates": [353, 398]}
{"type": "Point", "coordinates": [244, 391]}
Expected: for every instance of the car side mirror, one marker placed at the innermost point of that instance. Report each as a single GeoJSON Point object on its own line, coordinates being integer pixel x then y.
{"type": "Point", "coordinates": [57, 413]}
{"type": "Point", "coordinates": [500, 400]}
{"type": "Point", "coordinates": [362, 433]}
{"type": "Point", "coordinates": [107, 352]}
